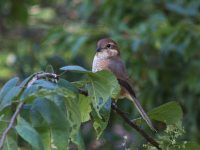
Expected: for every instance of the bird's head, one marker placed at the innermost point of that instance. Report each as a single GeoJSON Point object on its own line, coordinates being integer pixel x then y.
{"type": "Point", "coordinates": [107, 48]}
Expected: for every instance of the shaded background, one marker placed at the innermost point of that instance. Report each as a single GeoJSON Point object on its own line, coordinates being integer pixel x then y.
{"type": "Point", "coordinates": [159, 42]}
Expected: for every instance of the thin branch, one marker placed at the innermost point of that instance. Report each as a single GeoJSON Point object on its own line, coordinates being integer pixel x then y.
{"type": "Point", "coordinates": [129, 122]}
{"type": "Point", "coordinates": [12, 121]}
{"type": "Point", "coordinates": [30, 82]}
{"type": "Point", "coordinates": [133, 125]}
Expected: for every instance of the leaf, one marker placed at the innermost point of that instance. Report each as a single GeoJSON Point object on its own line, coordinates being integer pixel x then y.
{"type": "Point", "coordinates": [67, 84]}
{"type": "Point", "coordinates": [9, 85]}
{"type": "Point", "coordinates": [29, 134]}
{"type": "Point", "coordinates": [10, 143]}
{"type": "Point", "coordinates": [56, 119]}
{"type": "Point", "coordinates": [11, 94]}
{"type": "Point", "coordinates": [78, 140]}
{"type": "Point", "coordinates": [45, 84]}
{"type": "Point", "coordinates": [100, 123]}
{"type": "Point", "coordinates": [50, 113]}
{"type": "Point", "coordinates": [169, 113]}
{"type": "Point", "coordinates": [85, 107]}
{"type": "Point", "coordinates": [74, 68]}
{"type": "Point", "coordinates": [49, 69]}
{"type": "Point", "coordinates": [29, 92]}
{"type": "Point", "coordinates": [74, 115]}
{"type": "Point", "coordinates": [102, 86]}
{"type": "Point", "coordinates": [45, 135]}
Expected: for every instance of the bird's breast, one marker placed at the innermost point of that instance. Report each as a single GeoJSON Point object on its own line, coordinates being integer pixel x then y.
{"type": "Point", "coordinates": [100, 64]}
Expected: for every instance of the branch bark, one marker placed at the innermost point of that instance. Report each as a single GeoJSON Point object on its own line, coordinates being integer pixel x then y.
{"type": "Point", "coordinates": [133, 125]}
{"type": "Point", "coordinates": [129, 122]}
{"type": "Point", "coordinates": [35, 77]}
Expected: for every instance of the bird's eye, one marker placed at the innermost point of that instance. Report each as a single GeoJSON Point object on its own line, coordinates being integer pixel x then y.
{"type": "Point", "coordinates": [109, 46]}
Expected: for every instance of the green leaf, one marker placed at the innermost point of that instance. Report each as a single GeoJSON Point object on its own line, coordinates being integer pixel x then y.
{"type": "Point", "coordinates": [67, 84]}
{"type": "Point", "coordinates": [102, 86]}
{"type": "Point", "coordinates": [49, 69]}
{"type": "Point", "coordinates": [74, 115]}
{"type": "Point", "coordinates": [10, 84]}
{"type": "Point", "coordinates": [10, 143]}
{"type": "Point", "coordinates": [100, 123]}
{"type": "Point", "coordinates": [74, 68]}
{"type": "Point", "coordinates": [45, 135]}
{"type": "Point", "coordinates": [85, 107]}
{"type": "Point", "coordinates": [29, 134]}
{"type": "Point", "coordinates": [45, 84]}
{"type": "Point", "coordinates": [51, 113]}
{"type": "Point", "coordinates": [11, 94]}
{"type": "Point", "coordinates": [78, 140]}
{"type": "Point", "coordinates": [169, 113]}
{"type": "Point", "coordinates": [56, 119]}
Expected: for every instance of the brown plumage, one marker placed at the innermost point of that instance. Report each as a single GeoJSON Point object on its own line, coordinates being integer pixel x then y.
{"type": "Point", "coordinates": [108, 58]}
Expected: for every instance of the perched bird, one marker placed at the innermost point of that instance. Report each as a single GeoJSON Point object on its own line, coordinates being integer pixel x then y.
{"type": "Point", "coordinates": [107, 57]}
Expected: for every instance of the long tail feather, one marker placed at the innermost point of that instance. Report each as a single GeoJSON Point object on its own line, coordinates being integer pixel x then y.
{"type": "Point", "coordinates": [142, 112]}
{"type": "Point", "coordinates": [137, 104]}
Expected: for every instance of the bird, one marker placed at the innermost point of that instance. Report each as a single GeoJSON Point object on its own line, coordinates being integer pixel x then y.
{"type": "Point", "coordinates": [108, 57]}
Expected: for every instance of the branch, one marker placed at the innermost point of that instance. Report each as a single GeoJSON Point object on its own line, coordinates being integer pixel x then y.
{"type": "Point", "coordinates": [133, 125]}
{"type": "Point", "coordinates": [30, 82]}
{"type": "Point", "coordinates": [129, 122]}
{"type": "Point", "coordinates": [12, 121]}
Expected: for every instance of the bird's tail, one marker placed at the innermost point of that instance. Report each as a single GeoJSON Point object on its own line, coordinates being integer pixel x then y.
{"type": "Point", "coordinates": [131, 95]}
{"type": "Point", "coordinates": [141, 111]}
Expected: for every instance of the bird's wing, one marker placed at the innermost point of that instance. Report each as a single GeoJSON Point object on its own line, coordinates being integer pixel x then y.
{"type": "Point", "coordinates": [137, 104]}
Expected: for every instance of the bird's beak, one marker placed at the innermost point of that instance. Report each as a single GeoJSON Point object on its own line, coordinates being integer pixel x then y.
{"type": "Point", "coordinates": [98, 49]}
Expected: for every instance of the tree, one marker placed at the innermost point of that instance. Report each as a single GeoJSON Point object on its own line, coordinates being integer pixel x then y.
{"type": "Point", "coordinates": [159, 40]}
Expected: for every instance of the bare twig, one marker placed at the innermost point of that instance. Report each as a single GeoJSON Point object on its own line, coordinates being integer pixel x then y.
{"type": "Point", "coordinates": [35, 77]}
{"type": "Point", "coordinates": [133, 125]}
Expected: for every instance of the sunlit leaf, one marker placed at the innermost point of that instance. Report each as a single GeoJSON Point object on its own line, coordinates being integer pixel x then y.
{"type": "Point", "coordinates": [102, 86]}
{"type": "Point", "coordinates": [85, 107]}
{"type": "Point", "coordinates": [74, 115]}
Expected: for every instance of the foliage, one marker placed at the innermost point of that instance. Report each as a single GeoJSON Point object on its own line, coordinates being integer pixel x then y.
{"type": "Point", "coordinates": [159, 42]}
{"type": "Point", "coordinates": [170, 139]}
{"type": "Point", "coordinates": [48, 119]}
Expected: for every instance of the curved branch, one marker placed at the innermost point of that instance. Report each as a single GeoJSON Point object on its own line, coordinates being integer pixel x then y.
{"type": "Point", "coordinates": [129, 122]}
{"type": "Point", "coordinates": [34, 77]}
{"type": "Point", "coordinates": [133, 125]}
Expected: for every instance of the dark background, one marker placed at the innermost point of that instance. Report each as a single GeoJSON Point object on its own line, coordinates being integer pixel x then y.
{"type": "Point", "coordinates": [159, 42]}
